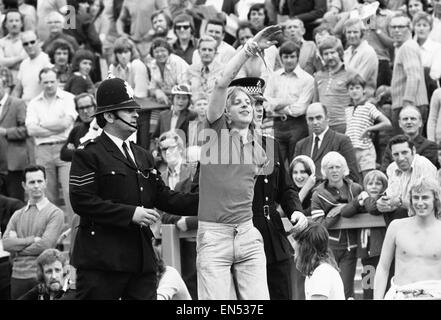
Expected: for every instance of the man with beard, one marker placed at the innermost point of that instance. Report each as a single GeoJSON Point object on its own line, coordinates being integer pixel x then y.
{"type": "Point", "coordinates": [52, 276]}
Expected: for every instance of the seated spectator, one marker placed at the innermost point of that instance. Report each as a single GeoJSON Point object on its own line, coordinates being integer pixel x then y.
{"type": "Point", "coordinates": [185, 43]}
{"type": "Point", "coordinates": [328, 201]}
{"type": "Point", "coordinates": [411, 124]}
{"type": "Point", "coordinates": [60, 54]}
{"type": "Point", "coordinates": [202, 76]}
{"type": "Point", "coordinates": [167, 70]}
{"type": "Point", "coordinates": [323, 139]}
{"type": "Point", "coordinates": [422, 24]}
{"type": "Point", "coordinates": [302, 172]}
{"type": "Point", "coordinates": [80, 81]}
{"type": "Point", "coordinates": [370, 240]}
{"type": "Point", "coordinates": [408, 167]}
{"type": "Point", "coordinates": [31, 230]}
{"type": "Point", "coordinates": [178, 117]}
{"type": "Point", "coordinates": [55, 22]}
{"type": "Point", "coordinates": [52, 277]}
{"type": "Point", "coordinates": [130, 68]}
{"type": "Point", "coordinates": [315, 260]}
{"type": "Point", "coordinates": [363, 120]}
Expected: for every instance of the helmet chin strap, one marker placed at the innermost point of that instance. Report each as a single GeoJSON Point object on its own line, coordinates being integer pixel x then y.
{"type": "Point", "coordinates": [129, 124]}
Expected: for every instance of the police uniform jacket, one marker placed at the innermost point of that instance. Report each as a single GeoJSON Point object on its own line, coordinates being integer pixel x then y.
{"type": "Point", "coordinates": [278, 188]}
{"type": "Point", "coordinates": [105, 189]}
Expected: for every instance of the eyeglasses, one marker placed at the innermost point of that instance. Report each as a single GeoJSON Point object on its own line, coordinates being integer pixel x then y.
{"type": "Point", "coordinates": [399, 26]}
{"type": "Point", "coordinates": [169, 147]}
{"type": "Point", "coordinates": [182, 27]}
{"type": "Point", "coordinates": [32, 42]}
{"type": "Point", "coordinates": [86, 107]}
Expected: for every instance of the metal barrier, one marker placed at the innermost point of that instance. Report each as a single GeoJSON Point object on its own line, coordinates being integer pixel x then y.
{"type": "Point", "coordinates": [171, 248]}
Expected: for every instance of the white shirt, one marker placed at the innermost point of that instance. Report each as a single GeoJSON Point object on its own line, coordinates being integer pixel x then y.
{"type": "Point", "coordinates": [325, 281]}
{"type": "Point", "coordinates": [28, 75]}
{"type": "Point", "coordinates": [119, 143]}
{"type": "Point", "coordinates": [430, 59]}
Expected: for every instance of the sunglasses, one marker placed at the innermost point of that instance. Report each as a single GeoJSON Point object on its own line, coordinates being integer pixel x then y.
{"type": "Point", "coordinates": [182, 27]}
{"type": "Point", "coordinates": [32, 42]}
{"type": "Point", "coordinates": [86, 107]}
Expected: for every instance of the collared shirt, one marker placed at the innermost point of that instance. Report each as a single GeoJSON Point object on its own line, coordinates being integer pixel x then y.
{"type": "Point", "coordinates": [320, 136]}
{"type": "Point", "coordinates": [174, 175]}
{"type": "Point", "coordinates": [224, 54]}
{"type": "Point", "coordinates": [296, 87]}
{"type": "Point", "coordinates": [364, 61]}
{"type": "Point", "coordinates": [408, 76]}
{"type": "Point", "coordinates": [41, 110]}
{"type": "Point", "coordinates": [399, 182]}
{"type": "Point", "coordinates": [3, 101]}
{"type": "Point", "coordinates": [40, 204]}
{"type": "Point", "coordinates": [28, 75]}
{"type": "Point", "coordinates": [331, 91]}
{"type": "Point", "coordinates": [186, 54]}
{"type": "Point", "coordinates": [203, 78]}
{"type": "Point", "coordinates": [119, 143]}
{"type": "Point", "coordinates": [174, 73]}
{"type": "Point", "coordinates": [429, 57]}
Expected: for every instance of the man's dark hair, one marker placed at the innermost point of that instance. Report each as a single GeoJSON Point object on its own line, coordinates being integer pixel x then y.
{"type": "Point", "coordinates": [244, 25]}
{"type": "Point", "coordinates": [160, 42]}
{"type": "Point", "coordinates": [100, 120]}
{"type": "Point", "coordinates": [33, 168]}
{"type": "Point", "coordinates": [289, 47]}
{"type": "Point", "coordinates": [83, 95]}
{"type": "Point", "coordinates": [46, 70]}
{"type": "Point", "coordinates": [400, 138]}
{"type": "Point", "coordinates": [5, 31]}
{"type": "Point", "coordinates": [216, 22]}
{"type": "Point", "coordinates": [166, 16]}
{"type": "Point", "coordinates": [63, 45]}
{"type": "Point", "coordinates": [81, 55]}
{"type": "Point", "coordinates": [257, 7]}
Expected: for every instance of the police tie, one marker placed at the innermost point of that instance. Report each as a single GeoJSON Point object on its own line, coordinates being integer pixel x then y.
{"type": "Point", "coordinates": [127, 154]}
{"type": "Point", "coordinates": [315, 150]}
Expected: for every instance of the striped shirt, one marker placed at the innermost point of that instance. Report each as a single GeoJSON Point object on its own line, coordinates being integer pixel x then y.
{"type": "Point", "coordinates": [358, 119]}
{"type": "Point", "coordinates": [408, 76]}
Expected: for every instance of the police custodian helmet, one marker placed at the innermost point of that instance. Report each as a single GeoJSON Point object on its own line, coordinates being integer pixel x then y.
{"type": "Point", "coordinates": [114, 94]}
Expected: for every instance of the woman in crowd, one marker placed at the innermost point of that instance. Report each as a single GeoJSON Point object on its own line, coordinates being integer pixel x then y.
{"type": "Point", "coordinates": [302, 172]}
{"type": "Point", "coordinates": [327, 202]}
{"type": "Point", "coordinates": [414, 6]}
{"type": "Point", "coordinates": [80, 80]}
{"type": "Point", "coordinates": [315, 260]}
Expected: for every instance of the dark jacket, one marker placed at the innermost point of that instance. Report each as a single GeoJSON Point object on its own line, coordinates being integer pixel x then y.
{"type": "Point", "coordinates": [279, 189]}
{"type": "Point", "coordinates": [75, 135]}
{"type": "Point", "coordinates": [423, 147]}
{"type": "Point", "coordinates": [323, 200]}
{"type": "Point", "coordinates": [332, 141]}
{"type": "Point", "coordinates": [105, 189]}
{"type": "Point", "coordinates": [305, 10]}
{"type": "Point", "coordinates": [164, 122]}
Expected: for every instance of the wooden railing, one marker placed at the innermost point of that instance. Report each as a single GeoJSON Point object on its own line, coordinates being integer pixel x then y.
{"type": "Point", "coordinates": [171, 248]}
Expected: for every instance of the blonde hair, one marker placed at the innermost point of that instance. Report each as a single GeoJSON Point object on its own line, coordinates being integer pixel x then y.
{"type": "Point", "coordinates": [426, 184]}
{"type": "Point", "coordinates": [331, 157]}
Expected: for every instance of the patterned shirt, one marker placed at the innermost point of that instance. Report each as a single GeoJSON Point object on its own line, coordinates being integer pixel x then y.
{"type": "Point", "coordinates": [174, 73]}
{"type": "Point", "coordinates": [203, 78]}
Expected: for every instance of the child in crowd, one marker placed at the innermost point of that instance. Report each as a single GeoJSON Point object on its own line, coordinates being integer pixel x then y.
{"type": "Point", "coordinates": [370, 240]}
{"type": "Point", "coordinates": [315, 260]}
{"type": "Point", "coordinates": [362, 119]}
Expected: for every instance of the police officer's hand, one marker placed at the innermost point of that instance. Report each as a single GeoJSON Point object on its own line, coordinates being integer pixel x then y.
{"type": "Point", "coordinates": [299, 221]}
{"type": "Point", "coordinates": [144, 216]}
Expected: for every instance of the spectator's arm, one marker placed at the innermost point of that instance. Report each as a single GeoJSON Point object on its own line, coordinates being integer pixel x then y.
{"type": "Point", "coordinates": [33, 124]}
{"type": "Point", "coordinates": [435, 105]}
{"type": "Point", "coordinates": [412, 70]}
{"type": "Point", "coordinates": [18, 90]}
{"type": "Point", "coordinates": [19, 131]}
{"type": "Point", "coordinates": [11, 242]}
{"type": "Point", "coordinates": [10, 61]}
{"type": "Point", "coordinates": [298, 107]}
{"type": "Point", "coordinates": [350, 209]}
{"type": "Point", "coordinates": [50, 235]}
{"type": "Point", "coordinates": [123, 16]}
{"type": "Point", "coordinates": [347, 150]}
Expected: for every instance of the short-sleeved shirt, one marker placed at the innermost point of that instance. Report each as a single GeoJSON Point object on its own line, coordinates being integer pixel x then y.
{"type": "Point", "coordinates": [325, 281]}
{"type": "Point", "coordinates": [358, 119]}
{"type": "Point", "coordinates": [227, 174]}
{"type": "Point", "coordinates": [28, 75]}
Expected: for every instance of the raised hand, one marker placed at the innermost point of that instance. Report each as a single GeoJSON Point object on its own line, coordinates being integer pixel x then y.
{"type": "Point", "coordinates": [267, 37]}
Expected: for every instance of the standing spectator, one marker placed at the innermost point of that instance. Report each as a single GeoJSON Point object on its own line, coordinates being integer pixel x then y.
{"type": "Point", "coordinates": [80, 81]}
{"type": "Point", "coordinates": [422, 24]}
{"type": "Point", "coordinates": [408, 85]}
{"type": "Point", "coordinates": [289, 91]}
{"type": "Point", "coordinates": [202, 76]}
{"type": "Point", "coordinates": [60, 55]}
{"type": "Point", "coordinates": [137, 15]}
{"type": "Point", "coordinates": [415, 243]}
{"type": "Point", "coordinates": [29, 15]}
{"type": "Point", "coordinates": [411, 124]}
{"type": "Point", "coordinates": [316, 261]}
{"type": "Point", "coordinates": [31, 230]}
{"type": "Point", "coordinates": [12, 52]}
{"type": "Point", "coordinates": [323, 139]}
{"type": "Point", "coordinates": [55, 22]}
{"type": "Point", "coordinates": [434, 119]}
{"type": "Point", "coordinates": [329, 200]}
{"type": "Point", "coordinates": [309, 59]}
{"type": "Point", "coordinates": [44, 8]}
{"type": "Point", "coordinates": [129, 67]}
{"type": "Point", "coordinates": [102, 170]}
{"type": "Point", "coordinates": [50, 117]}
{"type": "Point", "coordinates": [185, 43]}
{"type": "Point", "coordinates": [330, 83]}
{"type": "Point", "coordinates": [360, 56]}
{"type": "Point", "coordinates": [162, 26]}
{"type": "Point", "coordinates": [258, 16]}
{"type": "Point", "coordinates": [14, 155]}
{"type": "Point", "coordinates": [224, 53]}
{"type": "Point", "coordinates": [28, 86]}
{"type": "Point", "coordinates": [363, 119]}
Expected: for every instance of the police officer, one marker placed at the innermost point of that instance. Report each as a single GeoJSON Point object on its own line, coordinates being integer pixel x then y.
{"type": "Point", "coordinates": [270, 189]}
{"type": "Point", "coordinates": [114, 188]}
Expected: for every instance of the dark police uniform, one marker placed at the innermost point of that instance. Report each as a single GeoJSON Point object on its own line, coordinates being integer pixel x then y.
{"type": "Point", "coordinates": [275, 187]}
{"type": "Point", "coordinates": [114, 257]}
